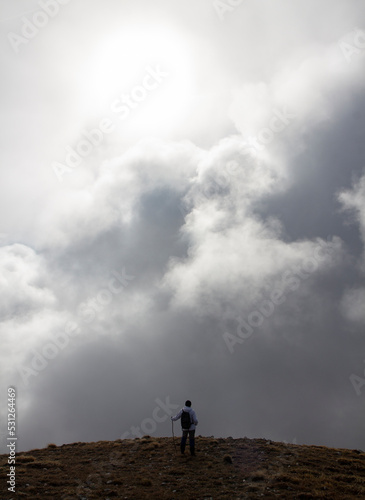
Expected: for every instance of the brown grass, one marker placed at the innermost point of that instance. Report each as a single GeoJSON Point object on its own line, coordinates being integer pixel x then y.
{"type": "Point", "coordinates": [149, 468]}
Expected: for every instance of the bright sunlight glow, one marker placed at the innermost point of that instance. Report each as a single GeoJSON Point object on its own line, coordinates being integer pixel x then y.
{"type": "Point", "coordinates": [118, 68]}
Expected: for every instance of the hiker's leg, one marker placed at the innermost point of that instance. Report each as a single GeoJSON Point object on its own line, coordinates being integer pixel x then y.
{"type": "Point", "coordinates": [192, 442]}
{"type": "Point", "coordinates": [183, 441]}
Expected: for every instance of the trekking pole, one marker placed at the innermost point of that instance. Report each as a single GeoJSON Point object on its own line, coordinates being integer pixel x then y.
{"type": "Point", "coordinates": [173, 435]}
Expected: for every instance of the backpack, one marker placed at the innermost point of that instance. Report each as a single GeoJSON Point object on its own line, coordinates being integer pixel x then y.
{"type": "Point", "coordinates": [185, 420]}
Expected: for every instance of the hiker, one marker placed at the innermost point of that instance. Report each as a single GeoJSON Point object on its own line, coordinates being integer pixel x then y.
{"type": "Point", "coordinates": [188, 423]}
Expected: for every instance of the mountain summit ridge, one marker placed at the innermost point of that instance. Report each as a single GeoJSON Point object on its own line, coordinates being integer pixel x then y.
{"type": "Point", "coordinates": [224, 468]}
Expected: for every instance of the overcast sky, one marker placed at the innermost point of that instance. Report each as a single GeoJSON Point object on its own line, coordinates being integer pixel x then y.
{"type": "Point", "coordinates": [183, 216]}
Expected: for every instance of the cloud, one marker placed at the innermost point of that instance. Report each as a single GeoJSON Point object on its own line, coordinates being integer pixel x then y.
{"type": "Point", "coordinates": [353, 201]}
{"type": "Point", "coordinates": [353, 303]}
{"type": "Point", "coordinates": [296, 96]}
{"type": "Point", "coordinates": [112, 198]}
{"type": "Point", "coordinates": [24, 283]}
{"type": "Point", "coordinates": [232, 250]}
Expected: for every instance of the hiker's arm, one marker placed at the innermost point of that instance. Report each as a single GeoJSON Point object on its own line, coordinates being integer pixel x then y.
{"type": "Point", "coordinates": [177, 416]}
{"type": "Point", "coordinates": [195, 420]}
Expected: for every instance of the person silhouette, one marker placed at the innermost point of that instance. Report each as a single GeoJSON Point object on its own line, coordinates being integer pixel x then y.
{"type": "Point", "coordinates": [188, 426]}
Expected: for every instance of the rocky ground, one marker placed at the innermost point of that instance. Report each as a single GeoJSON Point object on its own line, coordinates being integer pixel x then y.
{"type": "Point", "coordinates": [150, 468]}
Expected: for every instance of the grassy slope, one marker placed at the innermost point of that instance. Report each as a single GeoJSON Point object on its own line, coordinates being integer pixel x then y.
{"type": "Point", "coordinates": [150, 468]}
